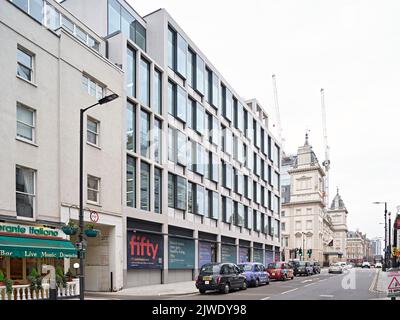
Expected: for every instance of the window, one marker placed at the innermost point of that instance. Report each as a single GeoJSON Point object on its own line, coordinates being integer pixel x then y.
{"type": "Point", "coordinates": [172, 52]}
{"type": "Point", "coordinates": [157, 140]}
{"type": "Point", "coordinates": [24, 64]}
{"type": "Point", "coordinates": [25, 192]}
{"type": "Point", "coordinates": [248, 217]}
{"type": "Point", "coordinates": [25, 122]}
{"type": "Point", "coordinates": [239, 214]}
{"type": "Point", "coordinates": [177, 192]}
{"type": "Point", "coordinates": [199, 199]}
{"type": "Point", "coordinates": [198, 158]}
{"type": "Point", "coordinates": [131, 127]}
{"type": "Point", "coordinates": [227, 141]}
{"type": "Point", "coordinates": [92, 87]}
{"type": "Point", "coordinates": [283, 226]}
{"type": "Point", "coordinates": [144, 81]}
{"type": "Point", "coordinates": [248, 183]}
{"type": "Point", "coordinates": [213, 204]}
{"type": "Point", "coordinates": [131, 73]}
{"type": "Point", "coordinates": [181, 56]}
{"type": "Point", "coordinates": [33, 7]}
{"type": "Point", "coordinates": [144, 186]}
{"type": "Point", "coordinates": [181, 146]}
{"type": "Point", "coordinates": [93, 189]}
{"type": "Point", "coordinates": [200, 68]}
{"type": "Point", "coordinates": [200, 119]}
{"type": "Point", "coordinates": [93, 131]}
{"type": "Point", "coordinates": [144, 134]}
{"type": "Point", "coordinates": [131, 182]}
{"type": "Point", "coordinates": [177, 101]}
{"type": "Point", "coordinates": [227, 103]}
{"type": "Point", "coordinates": [216, 91]}
{"type": "Point", "coordinates": [227, 210]}
{"type": "Point", "coordinates": [208, 86]}
{"type": "Point", "coordinates": [157, 96]}
{"type": "Point", "coordinates": [191, 68]}
{"type": "Point", "coordinates": [213, 172]}
{"type": "Point", "coordinates": [120, 19]}
{"type": "Point", "coordinates": [213, 129]}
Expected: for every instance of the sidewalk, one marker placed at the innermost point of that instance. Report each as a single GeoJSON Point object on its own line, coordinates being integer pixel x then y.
{"type": "Point", "coordinates": [169, 289]}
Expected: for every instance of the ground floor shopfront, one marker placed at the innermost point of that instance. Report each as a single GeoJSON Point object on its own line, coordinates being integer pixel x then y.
{"type": "Point", "coordinates": [155, 257]}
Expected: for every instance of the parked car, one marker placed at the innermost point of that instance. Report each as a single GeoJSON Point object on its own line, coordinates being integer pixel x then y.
{"type": "Point", "coordinates": [378, 265]}
{"type": "Point", "coordinates": [302, 268]}
{"type": "Point", "coordinates": [223, 277]}
{"type": "Point", "coordinates": [366, 264]}
{"type": "Point", "coordinates": [336, 268]}
{"type": "Point", "coordinates": [316, 267]}
{"type": "Point", "coordinates": [255, 273]}
{"type": "Point", "coordinates": [280, 271]}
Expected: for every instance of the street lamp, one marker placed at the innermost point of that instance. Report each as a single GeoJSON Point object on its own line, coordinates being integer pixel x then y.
{"type": "Point", "coordinates": [390, 241]}
{"type": "Point", "coordinates": [385, 260]}
{"type": "Point", "coordinates": [104, 100]}
{"type": "Point", "coordinates": [304, 240]}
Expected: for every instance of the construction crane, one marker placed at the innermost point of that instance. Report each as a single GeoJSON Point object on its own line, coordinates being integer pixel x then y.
{"type": "Point", "coordinates": [278, 116]}
{"type": "Point", "coordinates": [327, 163]}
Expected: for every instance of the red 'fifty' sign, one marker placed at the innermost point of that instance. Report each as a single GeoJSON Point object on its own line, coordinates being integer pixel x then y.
{"type": "Point", "coordinates": [144, 250]}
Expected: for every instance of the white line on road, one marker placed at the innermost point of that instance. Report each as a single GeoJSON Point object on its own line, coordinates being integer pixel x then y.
{"type": "Point", "coordinates": [290, 291]}
{"type": "Point", "coordinates": [326, 295]}
{"type": "Point", "coordinates": [310, 284]}
{"type": "Point", "coordinates": [322, 280]}
{"type": "Point", "coordinates": [306, 281]}
{"type": "Point", "coordinates": [266, 298]}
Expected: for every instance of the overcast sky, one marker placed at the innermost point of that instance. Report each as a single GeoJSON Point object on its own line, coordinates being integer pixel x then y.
{"type": "Point", "coordinates": [351, 48]}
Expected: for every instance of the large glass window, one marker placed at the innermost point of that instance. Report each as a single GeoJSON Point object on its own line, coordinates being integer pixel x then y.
{"type": "Point", "coordinates": [25, 122]}
{"type": "Point", "coordinates": [181, 104]}
{"type": "Point", "coordinates": [182, 49]}
{"type": "Point", "coordinates": [114, 22]}
{"type": "Point", "coordinates": [131, 127]}
{"type": "Point", "coordinates": [144, 80]}
{"type": "Point", "coordinates": [171, 98]}
{"type": "Point", "coordinates": [181, 185]}
{"type": "Point", "coordinates": [157, 94]}
{"type": "Point", "coordinates": [248, 217]}
{"type": "Point", "coordinates": [171, 144]}
{"type": "Point", "coordinates": [227, 210]}
{"type": "Point", "coordinates": [33, 7]}
{"type": "Point", "coordinates": [191, 68]}
{"type": "Point", "coordinates": [157, 140]}
{"type": "Point", "coordinates": [216, 91]}
{"type": "Point", "coordinates": [93, 131]}
{"type": "Point", "coordinates": [25, 192]}
{"type": "Point", "coordinates": [227, 103]}
{"type": "Point", "coordinates": [92, 87]}
{"type": "Point", "coordinates": [208, 86]}
{"type": "Point", "coordinates": [181, 145]}
{"type": "Point", "coordinates": [144, 186]}
{"type": "Point", "coordinates": [227, 175]}
{"type": "Point", "coordinates": [131, 182]}
{"type": "Point", "coordinates": [239, 214]}
{"type": "Point", "coordinates": [200, 69]}
{"type": "Point", "coordinates": [131, 73]}
{"type": "Point", "coordinates": [144, 134]}
{"type": "Point", "coordinates": [199, 197]}
{"type": "Point", "coordinates": [171, 190]}
{"type": "Point", "coordinates": [214, 205]}
{"type": "Point", "coordinates": [200, 119]}
{"type": "Point", "coordinates": [24, 64]}
{"type": "Point", "coordinates": [171, 48]}
{"type": "Point", "coordinates": [157, 190]}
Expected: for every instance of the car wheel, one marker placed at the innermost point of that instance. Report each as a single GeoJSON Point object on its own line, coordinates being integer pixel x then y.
{"type": "Point", "coordinates": [244, 285]}
{"type": "Point", "coordinates": [202, 291]}
{"type": "Point", "coordinates": [292, 277]}
{"type": "Point", "coordinates": [267, 283]}
{"type": "Point", "coordinates": [257, 283]}
{"type": "Point", "coordinates": [227, 288]}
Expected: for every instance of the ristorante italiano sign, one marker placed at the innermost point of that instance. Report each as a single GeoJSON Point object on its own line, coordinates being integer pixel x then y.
{"type": "Point", "coordinates": [19, 230]}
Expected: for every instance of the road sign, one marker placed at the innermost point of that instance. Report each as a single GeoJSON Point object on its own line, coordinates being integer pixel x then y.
{"type": "Point", "coordinates": [393, 280]}
{"type": "Point", "coordinates": [94, 216]}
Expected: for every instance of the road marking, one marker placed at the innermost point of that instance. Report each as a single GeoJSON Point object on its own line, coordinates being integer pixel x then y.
{"type": "Point", "coordinates": [290, 291]}
{"type": "Point", "coordinates": [306, 281]}
{"type": "Point", "coordinates": [326, 295]}
{"type": "Point", "coordinates": [266, 298]}
{"type": "Point", "coordinates": [322, 280]}
{"type": "Point", "coordinates": [310, 284]}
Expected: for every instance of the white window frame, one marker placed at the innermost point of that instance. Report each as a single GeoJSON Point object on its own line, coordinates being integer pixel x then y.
{"type": "Point", "coordinates": [31, 68]}
{"type": "Point", "coordinates": [27, 194]}
{"type": "Point", "coordinates": [98, 87]}
{"type": "Point", "coordinates": [33, 126]}
{"type": "Point", "coordinates": [94, 190]}
{"type": "Point", "coordinates": [96, 133]}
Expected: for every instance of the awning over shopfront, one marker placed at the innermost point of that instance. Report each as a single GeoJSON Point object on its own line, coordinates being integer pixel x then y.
{"type": "Point", "coordinates": [28, 247]}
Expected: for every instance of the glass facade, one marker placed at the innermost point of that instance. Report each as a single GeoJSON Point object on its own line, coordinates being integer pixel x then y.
{"type": "Point", "coordinates": [157, 190]}
{"type": "Point", "coordinates": [131, 182]}
{"type": "Point", "coordinates": [144, 134]}
{"type": "Point", "coordinates": [131, 127]}
{"type": "Point", "coordinates": [157, 92]}
{"type": "Point", "coordinates": [144, 82]}
{"type": "Point", "coordinates": [144, 186]}
{"type": "Point", "coordinates": [157, 142]}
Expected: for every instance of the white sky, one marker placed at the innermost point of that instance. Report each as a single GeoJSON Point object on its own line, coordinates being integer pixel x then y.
{"type": "Point", "coordinates": [351, 48]}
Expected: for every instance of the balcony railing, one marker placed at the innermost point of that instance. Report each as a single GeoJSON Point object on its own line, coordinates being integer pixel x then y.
{"type": "Point", "coordinates": [24, 292]}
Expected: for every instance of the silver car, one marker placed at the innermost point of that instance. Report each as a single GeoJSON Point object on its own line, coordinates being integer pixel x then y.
{"type": "Point", "coordinates": [336, 268]}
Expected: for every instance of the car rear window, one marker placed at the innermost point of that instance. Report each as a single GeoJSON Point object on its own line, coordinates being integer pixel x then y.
{"type": "Point", "coordinates": [245, 267]}
{"type": "Point", "coordinates": [274, 266]}
{"type": "Point", "coordinates": [210, 269]}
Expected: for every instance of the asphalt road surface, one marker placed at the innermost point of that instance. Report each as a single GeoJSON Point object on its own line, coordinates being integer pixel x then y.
{"type": "Point", "coordinates": [354, 284]}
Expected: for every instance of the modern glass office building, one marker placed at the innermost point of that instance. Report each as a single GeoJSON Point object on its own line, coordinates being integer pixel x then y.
{"type": "Point", "coordinates": [199, 168]}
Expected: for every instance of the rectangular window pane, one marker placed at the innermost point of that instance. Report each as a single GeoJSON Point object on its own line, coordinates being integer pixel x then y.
{"type": "Point", "coordinates": [191, 68]}
{"type": "Point", "coordinates": [140, 35]}
{"type": "Point", "coordinates": [114, 22]}
{"type": "Point", "coordinates": [181, 104]}
{"type": "Point", "coordinates": [171, 144]}
{"type": "Point", "coordinates": [36, 9]}
{"type": "Point", "coordinates": [157, 142]}
{"type": "Point", "coordinates": [157, 101]}
{"type": "Point", "coordinates": [157, 190]}
{"type": "Point", "coordinates": [144, 82]}
{"type": "Point", "coordinates": [131, 73]}
{"type": "Point", "coordinates": [131, 182]}
{"type": "Point", "coordinates": [171, 190]}
{"type": "Point", "coordinates": [182, 49]}
{"type": "Point", "coordinates": [144, 134]}
{"type": "Point", "coordinates": [131, 127]}
{"type": "Point", "coordinates": [127, 23]}
{"type": "Point", "coordinates": [200, 75]}
{"type": "Point", "coordinates": [200, 119]}
{"type": "Point", "coordinates": [181, 193]}
{"type": "Point", "coordinates": [22, 4]}
{"type": "Point", "coordinates": [25, 122]}
{"type": "Point", "coordinates": [25, 192]}
{"type": "Point", "coordinates": [93, 188]}
{"type": "Point", "coordinates": [171, 48]}
{"type": "Point", "coordinates": [216, 91]}
{"type": "Point", "coordinates": [200, 200]}
{"type": "Point", "coordinates": [145, 186]}
{"type": "Point", "coordinates": [24, 65]}
{"type": "Point", "coordinates": [181, 143]}
{"type": "Point", "coordinates": [215, 205]}
{"type": "Point", "coordinates": [171, 98]}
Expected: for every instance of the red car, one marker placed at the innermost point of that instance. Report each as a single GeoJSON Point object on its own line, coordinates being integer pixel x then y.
{"type": "Point", "coordinates": [280, 271]}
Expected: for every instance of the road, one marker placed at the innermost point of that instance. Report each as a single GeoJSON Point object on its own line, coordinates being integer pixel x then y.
{"type": "Point", "coordinates": [354, 284]}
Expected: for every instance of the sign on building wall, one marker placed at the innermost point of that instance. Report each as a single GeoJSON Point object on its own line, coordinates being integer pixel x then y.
{"type": "Point", "coordinates": [258, 255]}
{"type": "Point", "coordinates": [228, 254]}
{"type": "Point", "coordinates": [145, 250]}
{"type": "Point", "coordinates": [32, 231]}
{"type": "Point", "coordinates": [244, 254]}
{"type": "Point", "coordinates": [180, 253]}
{"type": "Point", "coordinates": [205, 253]}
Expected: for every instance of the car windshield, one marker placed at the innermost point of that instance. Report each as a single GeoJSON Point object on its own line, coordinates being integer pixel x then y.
{"type": "Point", "coordinates": [274, 265]}
{"type": "Point", "coordinates": [210, 269]}
{"type": "Point", "coordinates": [302, 263]}
{"type": "Point", "coordinates": [245, 267]}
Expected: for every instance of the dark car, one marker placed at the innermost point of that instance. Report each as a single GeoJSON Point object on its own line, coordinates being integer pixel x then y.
{"type": "Point", "coordinates": [302, 268]}
{"type": "Point", "coordinates": [280, 271]}
{"type": "Point", "coordinates": [223, 277]}
{"type": "Point", "coordinates": [316, 267]}
{"type": "Point", "coordinates": [255, 273]}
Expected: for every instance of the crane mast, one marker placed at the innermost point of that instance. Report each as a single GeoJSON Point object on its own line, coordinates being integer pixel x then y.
{"type": "Point", "coordinates": [278, 116]}
{"type": "Point", "coordinates": [327, 161]}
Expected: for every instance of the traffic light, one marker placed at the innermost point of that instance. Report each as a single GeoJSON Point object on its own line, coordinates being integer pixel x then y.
{"type": "Point", "coordinates": [300, 252]}
{"type": "Point", "coordinates": [309, 252]}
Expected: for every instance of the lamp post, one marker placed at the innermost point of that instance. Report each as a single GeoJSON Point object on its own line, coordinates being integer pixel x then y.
{"type": "Point", "coordinates": [389, 249]}
{"type": "Point", "coordinates": [104, 100]}
{"type": "Point", "coordinates": [304, 240]}
{"type": "Point", "coordinates": [385, 258]}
